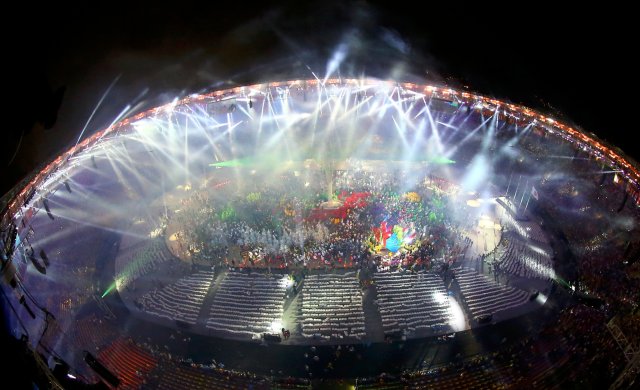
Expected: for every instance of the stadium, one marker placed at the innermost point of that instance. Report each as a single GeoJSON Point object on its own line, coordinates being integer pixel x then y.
{"type": "Point", "coordinates": [338, 233]}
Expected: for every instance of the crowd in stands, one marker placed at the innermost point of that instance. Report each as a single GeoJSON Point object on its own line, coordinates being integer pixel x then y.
{"type": "Point", "coordinates": [484, 297]}
{"type": "Point", "coordinates": [332, 307]}
{"type": "Point", "coordinates": [130, 363]}
{"type": "Point", "coordinates": [412, 302]}
{"type": "Point", "coordinates": [528, 231]}
{"type": "Point", "coordinates": [522, 258]}
{"type": "Point", "coordinates": [179, 301]}
{"type": "Point", "coordinates": [247, 304]}
{"type": "Point", "coordinates": [572, 350]}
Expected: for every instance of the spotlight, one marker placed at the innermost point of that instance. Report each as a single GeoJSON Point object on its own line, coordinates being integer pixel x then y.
{"type": "Point", "coordinates": [534, 296]}
{"type": "Point", "coordinates": [44, 257]}
{"type": "Point", "coordinates": [24, 303]}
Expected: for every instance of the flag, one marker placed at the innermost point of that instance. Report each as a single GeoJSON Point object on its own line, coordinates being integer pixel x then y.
{"type": "Point", "coordinates": [534, 193]}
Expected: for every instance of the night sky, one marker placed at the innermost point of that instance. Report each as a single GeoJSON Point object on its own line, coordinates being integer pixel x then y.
{"type": "Point", "coordinates": [62, 59]}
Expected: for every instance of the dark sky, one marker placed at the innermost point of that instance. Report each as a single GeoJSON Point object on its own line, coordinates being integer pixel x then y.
{"type": "Point", "coordinates": [63, 58]}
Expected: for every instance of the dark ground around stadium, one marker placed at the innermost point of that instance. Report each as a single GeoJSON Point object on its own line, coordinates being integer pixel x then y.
{"type": "Point", "coordinates": [61, 59]}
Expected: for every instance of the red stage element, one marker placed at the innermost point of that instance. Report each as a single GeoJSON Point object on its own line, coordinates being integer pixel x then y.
{"type": "Point", "coordinates": [349, 201]}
